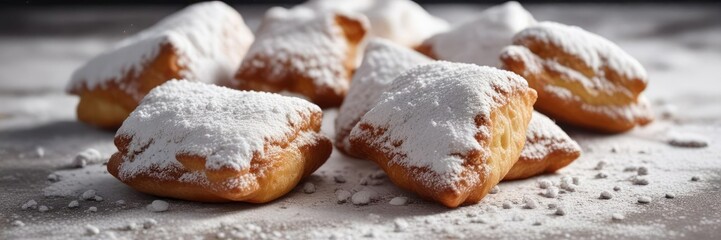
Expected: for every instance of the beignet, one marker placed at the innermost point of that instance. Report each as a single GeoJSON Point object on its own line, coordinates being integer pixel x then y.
{"type": "Point", "coordinates": [200, 142]}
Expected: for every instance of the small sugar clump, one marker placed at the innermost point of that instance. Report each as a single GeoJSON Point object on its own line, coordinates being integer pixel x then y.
{"type": "Point", "coordinates": [600, 165]}
{"type": "Point", "coordinates": [670, 195]}
{"type": "Point", "coordinates": [507, 205]}
{"type": "Point", "coordinates": [644, 199]}
{"type": "Point", "coordinates": [18, 223]}
{"type": "Point", "coordinates": [695, 178]}
{"type": "Point", "coordinates": [86, 157]}
{"type": "Point", "coordinates": [551, 192]}
{"type": "Point", "coordinates": [30, 204]}
{"type": "Point", "coordinates": [92, 209]}
{"type": "Point", "coordinates": [543, 184]}
{"type": "Point", "coordinates": [339, 179]}
{"type": "Point", "coordinates": [530, 203]}
{"type": "Point", "coordinates": [400, 225]}
{"type": "Point", "coordinates": [687, 140]}
{"type": "Point", "coordinates": [617, 217]}
{"type": "Point", "coordinates": [399, 201]}
{"type": "Point", "coordinates": [342, 195]}
{"type": "Point", "coordinates": [640, 181]}
{"type": "Point", "coordinates": [309, 188]}
{"type": "Point", "coordinates": [91, 230]}
{"type": "Point", "coordinates": [560, 211]}
{"type": "Point", "coordinates": [158, 206]}
{"type": "Point", "coordinates": [361, 197]}
{"type": "Point", "coordinates": [88, 195]}
{"type": "Point", "coordinates": [606, 195]}
{"type": "Point", "coordinates": [73, 204]}
{"type": "Point", "coordinates": [53, 177]}
{"type": "Point", "coordinates": [495, 190]}
{"type": "Point", "coordinates": [601, 175]}
{"type": "Point", "coordinates": [642, 171]}
{"type": "Point", "coordinates": [43, 208]}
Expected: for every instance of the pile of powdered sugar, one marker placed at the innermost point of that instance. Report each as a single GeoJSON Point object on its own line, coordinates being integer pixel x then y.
{"type": "Point", "coordinates": [401, 21]}
{"type": "Point", "coordinates": [382, 62]}
{"type": "Point", "coordinates": [226, 127]}
{"type": "Point", "coordinates": [480, 41]}
{"type": "Point", "coordinates": [198, 33]}
{"type": "Point", "coordinates": [431, 110]}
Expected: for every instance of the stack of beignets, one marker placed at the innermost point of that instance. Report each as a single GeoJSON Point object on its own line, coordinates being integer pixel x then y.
{"type": "Point", "coordinates": [448, 131]}
{"type": "Point", "coordinates": [302, 52]}
{"type": "Point", "coordinates": [201, 142]}
{"type": "Point", "coordinates": [203, 42]}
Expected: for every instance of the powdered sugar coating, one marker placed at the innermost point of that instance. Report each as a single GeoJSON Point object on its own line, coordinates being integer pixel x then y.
{"type": "Point", "coordinates": [383, 61]}
{"type": "Point", "coordinates": [480, 41]}
{"type": "Point", "coordinates": [428, 116]}
{"type": "Point", "coordinates": [595, 51]}
{"type": "Point", "coordinates": [210, 39]}
{"type": "Point", "coordinates": [544, 137]}
{"type": "Point", "coordinates": [401, 21]}
{"type": "Point", "coordinates": [298, 41]}
{"type": "Point", "coordinates": [225, 126]}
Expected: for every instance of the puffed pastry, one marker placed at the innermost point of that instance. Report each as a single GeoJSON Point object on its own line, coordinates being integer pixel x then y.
{"type": "Point", "coordinates": [582, 79]}
{"type": "Point", "coordinates": [448, 131]}
{"type": "Point", "coordinates": [203, 42]}
{"type": "Point", "coordinates": [480, 40]}
{"type": "Point", "coordinates": [201, 142]}
{"type": "Point", "coordinates": [403, 22]}
{"type": "Point", "coordinates": [305, 53]}
{"type": "Point", "coordinates": [383, 61]}
{"type": "Point", "coordinates": [548, 148]}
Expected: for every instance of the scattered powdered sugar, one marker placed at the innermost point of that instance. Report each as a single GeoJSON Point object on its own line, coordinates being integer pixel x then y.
{"type": "Point", "coordinates": [429, 113]}
{"type": "Point", "coordinates": [383, 61]}
{"type": "Point", "coordinates": [401, 21]}
{"type": "Point", "coordinates": [224, 126]}
{"type": "Point", "coordinates": [480, 41]}
{"type": "Point", "coordinates": [299, 42]}
{"type": "Point", "coordinates": [158, 206]}
{"type": "Point", "coordinates": [210, 39]}
{"type": "Point", "coordinates": [595, 51]}
{"type": "Point", "coordinates": [544, 137]}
